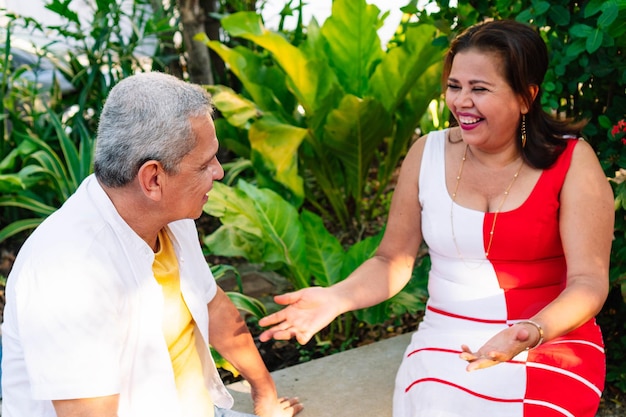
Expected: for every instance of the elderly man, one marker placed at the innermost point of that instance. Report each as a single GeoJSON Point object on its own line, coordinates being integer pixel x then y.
{"type": "Point", "coordinates": [110, 304]}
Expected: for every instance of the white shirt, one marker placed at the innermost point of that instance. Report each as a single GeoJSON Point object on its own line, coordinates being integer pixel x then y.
{"type": "Point", "coordinates": [83, 315]}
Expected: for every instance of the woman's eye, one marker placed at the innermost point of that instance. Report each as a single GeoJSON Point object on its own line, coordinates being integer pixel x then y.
{"type": "Point", "coordinates": [453, 87]}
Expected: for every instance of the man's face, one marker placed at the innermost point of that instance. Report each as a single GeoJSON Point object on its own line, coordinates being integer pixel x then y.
{"type": "Point", "coordinates": [186, 192]}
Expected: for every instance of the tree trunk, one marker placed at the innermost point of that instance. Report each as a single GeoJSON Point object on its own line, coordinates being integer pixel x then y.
{"type": "Point", "coordinates": [212, 28]}
{"type": "Point", "coordinates": [198, 59]}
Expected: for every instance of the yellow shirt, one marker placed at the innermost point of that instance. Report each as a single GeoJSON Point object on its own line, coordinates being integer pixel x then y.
{"type": "Point", "coordinates": [180, 334]}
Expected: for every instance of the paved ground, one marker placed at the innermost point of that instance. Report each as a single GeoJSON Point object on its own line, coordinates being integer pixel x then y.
{"type": "Point", "coordinates": [327, 386]}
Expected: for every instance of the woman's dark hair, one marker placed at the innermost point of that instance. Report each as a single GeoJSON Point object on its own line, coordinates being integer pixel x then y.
{"type": "Point", "coordinates": [524, 59]}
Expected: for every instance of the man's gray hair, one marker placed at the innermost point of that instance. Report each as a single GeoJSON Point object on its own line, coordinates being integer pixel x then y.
{"type": "Point", "coordinates": [147, 116]}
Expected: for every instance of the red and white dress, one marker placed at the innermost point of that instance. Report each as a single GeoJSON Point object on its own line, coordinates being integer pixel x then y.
{"type": "Point", "coordinates": [472, 297]}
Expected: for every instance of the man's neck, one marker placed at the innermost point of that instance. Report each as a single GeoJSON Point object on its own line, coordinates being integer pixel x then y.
{"type": "Point", "coordinates": [140, 213]}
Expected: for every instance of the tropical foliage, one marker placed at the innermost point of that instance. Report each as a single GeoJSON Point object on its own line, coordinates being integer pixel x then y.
{"type": "Point", "coordinates": [260, 226]}
{"type": "Point", "coordinates": [327, 121]}
{"type": "Point", "coordinates": [324, 125]}
{"type": "Point", "coordinates": [48, 134]}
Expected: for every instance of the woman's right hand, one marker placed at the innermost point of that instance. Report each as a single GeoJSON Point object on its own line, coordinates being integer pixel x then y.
{"type": "Point", "coordinates": [308, 311]}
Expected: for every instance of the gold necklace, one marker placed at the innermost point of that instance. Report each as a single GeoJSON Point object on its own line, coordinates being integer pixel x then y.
{"type": "Point", "coordinates": [495, 214]}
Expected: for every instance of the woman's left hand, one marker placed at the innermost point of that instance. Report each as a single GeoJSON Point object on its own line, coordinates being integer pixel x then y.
{"type": "Point", "coordinates": [501, 348]}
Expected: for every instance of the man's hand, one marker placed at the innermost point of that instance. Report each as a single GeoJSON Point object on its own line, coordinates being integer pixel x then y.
{"type": "Point", "coordinates": [281, 407]}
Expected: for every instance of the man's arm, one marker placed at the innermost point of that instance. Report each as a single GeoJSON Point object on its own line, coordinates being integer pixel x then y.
{"type": "Point", "coordinates": [87, 407]}
{"type": "Point", "coordinates": [230, 336]}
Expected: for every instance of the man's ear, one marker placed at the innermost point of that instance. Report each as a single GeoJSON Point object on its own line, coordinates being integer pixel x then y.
{"type": "Point", "coordinates": [150, 179]}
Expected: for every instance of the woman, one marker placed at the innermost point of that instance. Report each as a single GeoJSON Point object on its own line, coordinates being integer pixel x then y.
{"type": "Point", "coordinates": [518, 218]}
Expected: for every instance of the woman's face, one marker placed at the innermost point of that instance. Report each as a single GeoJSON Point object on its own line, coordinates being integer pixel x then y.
{"type": "Point", "coordinates": [481, 100]}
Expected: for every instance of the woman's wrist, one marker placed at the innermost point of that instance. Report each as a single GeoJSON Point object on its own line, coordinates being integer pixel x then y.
{"type": "Point", "coordinates": [539, 330]}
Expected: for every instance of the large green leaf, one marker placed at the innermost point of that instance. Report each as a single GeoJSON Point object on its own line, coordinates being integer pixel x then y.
{"type": "Point", "coordinates": [232, 242]}
{"type": "Point", "coordinates": [329, 179]}
{"type": "Point", "coordinates": [407, 118]}
{"type": "Point", "coordinates": [235, 108]}
{"type": "Point", "coordinates": [28, 203]}
{"type": "Point", "coordinates": [240, 234]}
{"type": "Point", "coordinates": [311, 81]}
{"type": "Point", "coordinates": [220, 271]}
{"type": "Point", "coordinates": [275, 156]}
{"type": "Point", "coordinates": [354, 45]}
{"type": "Point", "coordinates": [594, 41]}
{"type": "Point", "coordinates": [403, 65]}
{"type": "Point", "coordinates": [10, 183]}
{"type": "Point", "coordinates": [247, 304]}
{"type": "Point", "coordinates": [222, 363]}
{"type": "Point", "coordinates": [9, 160]}
{"type": "Point", "coordinates": [426, 88]}
{"type": "Point", "coordinates": [356, 255]}
{"type": "Point", "coordinates": [324, 252]}
{"type": "Point", "coordinates": [85, 151]}
{"type": "Point", "coordinates": [353, 132]}
{"type": "Point", "coordinates": [232, 137]}
{"type": "Point", "coordinates": [282, 231]}
{"type": "Point", "coordinates": [233, 207]}
{"type": "Point", "coordinates": [70, 153]}
{"type": "Point", "coordinates": [265, 84]}
{"type": "Point", "coordinates": [19, 226]}
{"type": "Point", "coordinates": [259, 225]}
{"type": "Point", "coordinates": [315, 45]}
{"type": "Point", "coordinates": [359, 253]}
{"type": "Point", "coordinates": [410, 299]}
{"type": "Point", "coordinates": [52, 164]}
{"type": "Point", "coordinates": [32, 175]}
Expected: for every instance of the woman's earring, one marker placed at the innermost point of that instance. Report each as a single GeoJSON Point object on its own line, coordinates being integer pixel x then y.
{"type": "Point", "coordinates": [523, 130]}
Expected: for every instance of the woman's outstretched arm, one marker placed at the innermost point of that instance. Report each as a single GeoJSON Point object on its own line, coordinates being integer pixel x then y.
{"type": "Point", "coordinates": [309, 310]}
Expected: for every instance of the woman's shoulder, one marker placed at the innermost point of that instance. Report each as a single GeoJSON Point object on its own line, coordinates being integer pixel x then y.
{"type": "Point", "coordinates": [581, 166]}
{"type": "Point", "coordinates": [582, 152]}
{"type": "Point", "coordinates": [438, 135]}
{"type": "Point", "coordinates": [428, 147]}
{"type": "Point", "coordinates": [435, 138]}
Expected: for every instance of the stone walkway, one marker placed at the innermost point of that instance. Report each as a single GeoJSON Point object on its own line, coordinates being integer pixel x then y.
{"type": "Point", "coordinates": [355, 383]}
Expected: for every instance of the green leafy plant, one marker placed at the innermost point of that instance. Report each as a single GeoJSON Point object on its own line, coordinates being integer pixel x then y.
{"type": "Point", "coordinates": [41, 165]}
{"type": "Point", "coordinates": [48, 135]}
{"type": "Point", "coordinates": [60, 175]}
{"type": "Point", "coordinates": [327, 120]}
{"type": "Point", "coordinates": [260, 226]}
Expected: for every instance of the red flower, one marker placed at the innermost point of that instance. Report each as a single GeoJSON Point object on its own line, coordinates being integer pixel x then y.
{"type": "Point", "coordinates": [618, 132]}
{"type": "Point", "coordinates": [619, 127]}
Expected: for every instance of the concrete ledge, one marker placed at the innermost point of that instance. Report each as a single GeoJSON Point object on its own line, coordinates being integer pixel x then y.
{"type": "Point", "coordinates": [355, 383]}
